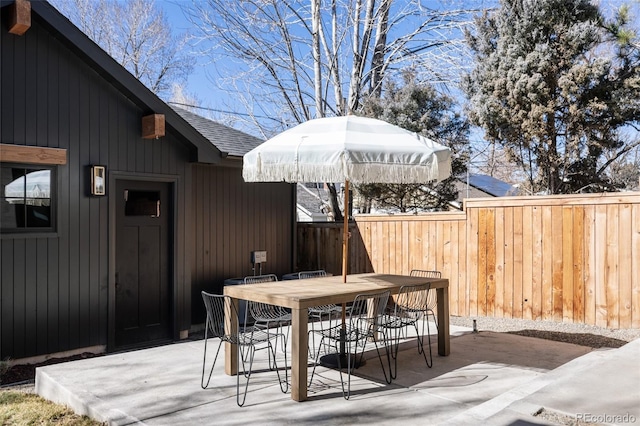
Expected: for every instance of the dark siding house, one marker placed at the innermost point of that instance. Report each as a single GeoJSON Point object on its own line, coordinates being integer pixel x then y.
{"type": "Point", "coordinates": [115, 209]}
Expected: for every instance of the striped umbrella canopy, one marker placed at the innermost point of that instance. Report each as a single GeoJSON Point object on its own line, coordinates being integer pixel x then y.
{"type": "Point", "coordinates": [347, 149]}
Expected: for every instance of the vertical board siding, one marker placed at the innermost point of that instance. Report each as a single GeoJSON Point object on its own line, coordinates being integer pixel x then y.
{"type": "Point", "coordinates": [231, 219]}
{"type": "Point", "coordinates": [559, 258]}
{"type": "Point", "coordinates": [54, 287]}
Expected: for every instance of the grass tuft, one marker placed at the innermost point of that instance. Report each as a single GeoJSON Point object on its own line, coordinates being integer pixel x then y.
{"type": "Point", "coordinates": [4, 367]}
{"type": "Point", "coordinates": [19, 408]}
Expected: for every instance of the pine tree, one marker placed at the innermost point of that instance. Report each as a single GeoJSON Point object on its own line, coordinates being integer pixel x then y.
{"type": "Point", "coordinates": [553, 85]}
{"type": "Point", "coordinates": [418, 107]}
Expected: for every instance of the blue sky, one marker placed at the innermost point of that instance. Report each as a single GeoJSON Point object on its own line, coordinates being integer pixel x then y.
{"type": "Point", "coordinates": [198, 82]}
{"type": "Point", "coordinates": [200, 85]}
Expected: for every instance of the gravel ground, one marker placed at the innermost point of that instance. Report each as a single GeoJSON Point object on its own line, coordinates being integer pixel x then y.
{"type": "Point", "coordinates": [579, 334]}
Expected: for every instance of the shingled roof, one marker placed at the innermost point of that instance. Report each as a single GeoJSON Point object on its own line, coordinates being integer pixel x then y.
{"type": "Point", "coordinates": [228, 140]}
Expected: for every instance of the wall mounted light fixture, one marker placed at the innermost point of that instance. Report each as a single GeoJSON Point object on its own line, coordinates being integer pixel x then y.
{"type": "Point", "coordinates": [98, 180]}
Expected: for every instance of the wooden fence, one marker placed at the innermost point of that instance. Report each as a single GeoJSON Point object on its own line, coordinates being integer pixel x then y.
{"type": "Point", "coordinates": [560, 258]}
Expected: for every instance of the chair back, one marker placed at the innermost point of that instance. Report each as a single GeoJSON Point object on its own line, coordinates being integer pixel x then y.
{"type": "Point", "coordinates": [425, 274]}
{"type": "Point", "coordinates": [214, 303]}
{"type": "Point", "coordinates": [411, 301]}
{"type": "Point", "coordinates": [254, 279]}
{"type": "Point", "coordinates": [312, 274]}
{"type": "Point", "coordinates": [263, 311]}
{"type": "Point", "coordinates": [367, 311]}
{"type": "Point", "coordinates": [432, 300]}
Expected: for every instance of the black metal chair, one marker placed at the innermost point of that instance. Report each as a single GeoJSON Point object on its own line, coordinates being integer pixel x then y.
{"type": "Point", "coordinates": [432, 300]}
{"type": "Point", "coordinates": [247, 340]}
{"type": "Point", "coordinates": [318, 313]}
{"type": "Point", "coordinates": [363, 325]}
{"type": "Point", "coordinates": [266, 316]}
{"type": "Point", "coordinates": [409, 308]}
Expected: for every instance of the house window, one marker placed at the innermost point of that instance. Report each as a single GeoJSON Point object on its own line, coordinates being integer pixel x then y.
{"type": "Point", "coordinates": [27, 195]}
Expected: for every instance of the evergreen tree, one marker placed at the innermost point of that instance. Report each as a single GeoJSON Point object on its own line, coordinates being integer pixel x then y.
{"type": "Point", "coordinates": [554, 84]}
{"type": "Point", "coordinates": [418, 107]}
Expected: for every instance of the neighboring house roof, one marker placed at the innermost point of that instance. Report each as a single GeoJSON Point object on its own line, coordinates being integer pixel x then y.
{"type": "Point", "coordinates": [81, 45]}
{"type": "Point", "coordinates": [311, 197]}
{"type": "Point", "coordinates": [228, 140]}
{"type": "Point", "coordinates": [491, 186]}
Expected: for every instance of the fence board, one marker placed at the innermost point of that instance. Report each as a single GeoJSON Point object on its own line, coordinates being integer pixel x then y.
{"type": "Point", "coordinates": [578, 264]}
{"type": "Point", "coordinates": [612, 285]}
{"type": "Point", "coordinates": [455, 266]}
{"type": "Point", "coordinates": [405, 247]}
{"type": "Point", "coordinates": [482, 262]}
{"type": "Point", "coordinates": [463, 282]}
{"type": "Point", "coordinates": [601, 265]}
{"type": "Point", "coordinates": [567, 264]}
{"type": "Point", "coordinates": [568, 258]}
{"type": "Point", "coordinates": [499, 263]}
{"type": "Point", "coordinates": [527, 261]}
{"type": "Point", "coordinates": [624, 270]}
{"type": "Point", "coordinates": [472, 256]}
{"type": "Point", "coordinates": [590, 264]}
{"type": "Point", "coordinates": [491, 262]}
{"type": "Point", "coordinates": [536, 253]}
{"type": "Point", "coordinates": [547, 263]}
{"type": "Point", "coordinates": [432, 256]}
{"type": "Point", "coordinates": [635, 267]}
{"type": "Point", "coordinates": [556, 249]}
{"type": "Point", "coordinates": [518, 252]}
{"type": "Point", "coordinates": [507, 300]}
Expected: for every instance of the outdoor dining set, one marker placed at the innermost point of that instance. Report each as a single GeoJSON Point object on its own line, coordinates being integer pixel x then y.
{"type": "Point", "coordinates": [373, 307]}
{"type": "Point", "coordinates": [345, 315]}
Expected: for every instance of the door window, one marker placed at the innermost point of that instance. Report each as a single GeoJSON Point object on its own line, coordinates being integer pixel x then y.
{"type": "Point", "coordinates": [141, 203]}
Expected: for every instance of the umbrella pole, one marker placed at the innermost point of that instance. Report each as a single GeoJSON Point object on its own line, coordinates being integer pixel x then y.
{"type": "Point", "coordinates": [345, 235]}
{"type": "Point", "coordinates": [340, 359]}
{"type": "Point", "coordinates": [345, 260]}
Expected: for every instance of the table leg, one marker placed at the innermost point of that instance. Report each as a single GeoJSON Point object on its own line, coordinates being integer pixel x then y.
{"type": "Point", "coordinates": [230, 350]}
{"type": "Point", "coordinates": [299, 355]}
{"type": "Point", "coordinates": [443, 321]}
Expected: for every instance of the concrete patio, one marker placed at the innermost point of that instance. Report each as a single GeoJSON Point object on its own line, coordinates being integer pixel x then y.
{"type": "Point", "coordinates": [490, 378]}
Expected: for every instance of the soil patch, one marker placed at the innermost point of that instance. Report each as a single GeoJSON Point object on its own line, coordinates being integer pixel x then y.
{"type": "Point", "coordinates": [26, 373]}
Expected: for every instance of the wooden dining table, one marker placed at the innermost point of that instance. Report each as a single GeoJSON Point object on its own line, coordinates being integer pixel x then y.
{"type": "Point", "coordinates": [300, 295]}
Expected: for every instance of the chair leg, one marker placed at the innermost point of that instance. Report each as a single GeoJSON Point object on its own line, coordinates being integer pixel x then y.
{"type": "Point", "coordinates": [312, 333]}
{"type": "Point", "coordinates": [204, 361]}
{"type": "Point", "coordinates": [393, 352]}
{"type": "Point", "coordinates": [386, 347]}
{"type": "Point", "coordinates": [311, 339]}
{"type": "Point", "coordinates": [247, 373]}
{"type": "Point", "coordinates": [284, 384]}
{"type": "Point", "coordinates": [283, 337]}
{"type": "Point", "coordinates": [346, 394]}
{"type": "Point", "coordinates": [315, 364]}
{"type": "Point", "coordinates": [433, 314]}
{"type": "Point", "coordinates": [421, 345]}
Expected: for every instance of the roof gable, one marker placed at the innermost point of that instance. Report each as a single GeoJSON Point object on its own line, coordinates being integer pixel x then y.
{"type": "Point", "coordinates": [92, 54]}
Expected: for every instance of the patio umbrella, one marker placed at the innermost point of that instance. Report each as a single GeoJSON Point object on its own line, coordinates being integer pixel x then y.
{"type": "Point", "coordinates": [347, 149]}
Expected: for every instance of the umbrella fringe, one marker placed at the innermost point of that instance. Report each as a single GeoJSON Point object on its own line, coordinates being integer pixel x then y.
{"type": "Point", "coordinates": [355, 173]}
